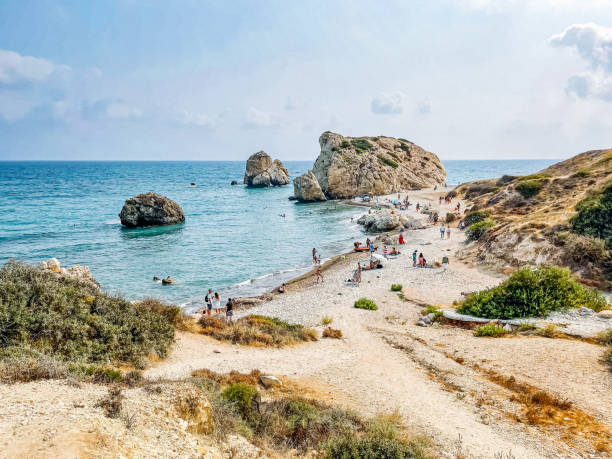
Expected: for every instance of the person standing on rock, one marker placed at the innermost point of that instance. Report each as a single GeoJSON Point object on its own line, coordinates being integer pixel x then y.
{"type": "Point", "coordinates": [209, 299]}
{"type": "Point", "coordinates": [217, 303]}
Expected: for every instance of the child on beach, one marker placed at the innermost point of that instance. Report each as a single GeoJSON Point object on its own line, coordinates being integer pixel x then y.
{"type": "Point", "coordinates": [401, 239]}
{"type": "Point", "coordinates": [421, 260]}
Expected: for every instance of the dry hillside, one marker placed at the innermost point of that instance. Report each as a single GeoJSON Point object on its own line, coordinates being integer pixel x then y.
{"type": "Point", "coordinates": [532, 218]}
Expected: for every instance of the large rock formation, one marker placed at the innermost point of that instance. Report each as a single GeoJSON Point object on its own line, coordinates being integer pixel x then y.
{"type": "Point", "coordinates": [307, 189]}
{"type": "Point", "coordinates": [351, 166]}
{"type": "Point", "coordinates": [261, 171]}
{"type": "Point", "coordinates": [150, 209]}
{"type": "Point", "coordinates": [387, 220]}
{"type": "Point", "coordinates": [76, 272]}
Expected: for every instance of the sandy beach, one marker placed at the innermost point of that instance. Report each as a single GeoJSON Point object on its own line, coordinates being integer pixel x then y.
{"type": "Point", "coordinates": [436, 377]}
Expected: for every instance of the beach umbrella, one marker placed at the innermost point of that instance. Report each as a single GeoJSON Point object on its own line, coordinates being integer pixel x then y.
{"type": "Point", "coordinates": [379, 258]}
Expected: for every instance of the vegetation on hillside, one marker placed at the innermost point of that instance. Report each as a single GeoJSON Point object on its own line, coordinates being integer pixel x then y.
{"type": "Point", "coordinates": [477, 230]}
{"type": "Point", "coordinates": [254, 330]}
{"type": "Point", "coordinates": [46, 314]}
{"type": "Point", "coordinates": [475, 217]}
{"type": "Point", "coordinates": [594, 217]}
{"type": "Point", "coordinates": [529, 188]}
{"type": "Point", "coordinates": [361, 144]}
{"type": "Point", "coordinates": [366, 303]}
{"type": "Point", "coordinates": [532, 293]}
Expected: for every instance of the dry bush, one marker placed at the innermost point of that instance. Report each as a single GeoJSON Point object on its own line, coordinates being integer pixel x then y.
{"type": "Point", "coordinates": [332, 333]}
{"type": "Point", "coordinates": [112, 403]}
{"type": "Point", "coordinates": [256, 330]}
{"type": "Point", "coordinates": [172, 313]}
{"type": "Point", "coordinates": [605, 337]}
{"type": "Point", "coordinates": [26, 369]}
{"type": "Point", "coordinates": [232, 377]}
{"type": "Point", "coordinates": [326, 320]}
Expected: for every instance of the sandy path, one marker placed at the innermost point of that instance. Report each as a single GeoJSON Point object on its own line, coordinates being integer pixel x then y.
{"type": "Point", "coordinates": [366, 373]}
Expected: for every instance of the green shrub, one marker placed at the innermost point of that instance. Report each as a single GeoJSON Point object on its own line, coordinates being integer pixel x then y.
{"type": "Point", "coordinates": [480, 188]}
{"type": "Point", "coordinates": [396, 287]}
{"type": "Point", "coordinates": [529, 188]}
{"type": "Point", "coordinates": [372, 446]}
{"type": "Point", "coordinates": [506, 179]}
{"type": "Point", "coordinates": [389, 162]}
{"type": "Point", "coordinates": [532, 293]}
{"type": "Point", "coordinates": [365, 303]}
{"type": "Point", "coordinates": [594, 215]}
{"type": "Point", "coordinates": [607, 357]}
{"type": "Point", "coordinates": [405, 147]}
{"type": "Point", "coordinates": [538, 176]}
{"type": "Point", "coordinates": [361, 144]}
{"type": "Point", "coordinates": [345, 144]}
{"type": "Point", "coordinates": [490, 330]}
{"type": "Point", "coordinates": [527, 326]}
{"type": "Point", "coordinates": [450, 217]}
{"type": "Point", "coordinates": [240, 395]}
{"type": "Point", "coordinates": [475, 217]}
{"type": "Point", "coordinates": [435, 310]}
{"type": "Point", "coordinates": [477, 230]}
{"type": "Point", "coordinates": [581, 174]}
{"type": "Point", "coordinates": [71, 319]}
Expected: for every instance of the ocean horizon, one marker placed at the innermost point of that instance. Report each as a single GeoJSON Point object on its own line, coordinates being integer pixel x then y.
{"type": "Point", "coordinates": [234, 240]}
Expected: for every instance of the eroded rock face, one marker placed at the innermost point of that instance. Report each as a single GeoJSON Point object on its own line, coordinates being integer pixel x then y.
{"type": "Point", "coordinates": [306, 188]}
{"type": "Point", "coordinates": [352, 166]}
{"type": "Point", "coordinates": [76, 272]}
{"type": "Point", "coordinates": [150, 209]}
{"type": "Point", "coordinates": [261, 171]}
{"type": "Point", "coordinates": [383, 220]}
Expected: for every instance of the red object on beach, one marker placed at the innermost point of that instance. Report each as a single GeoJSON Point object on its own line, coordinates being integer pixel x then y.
{"type": "Point", "coordinates": [364, 249]}
{"type": "Point", "coordinates": [401, 239]}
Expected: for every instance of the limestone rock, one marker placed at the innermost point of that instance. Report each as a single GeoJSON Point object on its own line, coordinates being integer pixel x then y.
{"type": "Point", "coordinates": [383, 220]}
{"type": "Point", "coordinates": [76, 272]}
{"type": "Point", "coordinates": [605, 314]}
{"type": "Point", "coordinates": [261, 171]}
{"type": "Point", "coordinates": [150, 209]}
{"type": "Point", "coordinates": [306, 188]}
{"type": "Point", "coordinates": [270, 381]}
{"type": "Point", "coordinates": [352, 166]}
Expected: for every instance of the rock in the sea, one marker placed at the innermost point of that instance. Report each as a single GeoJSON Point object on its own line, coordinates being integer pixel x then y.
{"type": "Point", "coordinates": [150, 209]}
{"type": "Point", "coordinates": [306, 188]}
{"type": "Point", "coordinates": [261, 171]}
{"type": "Point", "coordinates": [352, 166]}
{"type": "Point", "coordinates": [383, 220]}
{"type": "Point", "coordinates": [270, 381]}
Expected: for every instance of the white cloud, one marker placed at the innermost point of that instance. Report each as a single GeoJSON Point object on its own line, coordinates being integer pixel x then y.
{"type": "Point", "coordinates": [195, 119]}
{"type": "Point", "coordinates": [593, 42]}
{"type": "Point", "coordinates": [424, 107]}
{"type": "Point", "coordinates": [389, 104]}
{"type": "Point", "coordinates": [17, 69]}
{"type": "Point", "coordinates": [259, 118]}
{"type": "Point", "coordinates": [109, 109]}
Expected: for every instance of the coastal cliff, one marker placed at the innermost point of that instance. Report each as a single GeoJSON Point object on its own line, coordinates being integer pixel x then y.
{"type": "Point", "coordinates": [351, 166]}
{"type": "Point", "coordinates": [558, 216]}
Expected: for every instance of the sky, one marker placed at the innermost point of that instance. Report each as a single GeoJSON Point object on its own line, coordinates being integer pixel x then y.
{"type": "Point", "coordinates": [220, 80]}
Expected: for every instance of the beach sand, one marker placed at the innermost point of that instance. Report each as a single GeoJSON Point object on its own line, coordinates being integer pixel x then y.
{"type": "Point", "coordinates": [435, 377]}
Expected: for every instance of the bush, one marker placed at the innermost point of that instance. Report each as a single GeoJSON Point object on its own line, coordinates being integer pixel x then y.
{"type": "Point", "coordinates": [581, 174]}
{"type": "Point", "coordinates": [396, 287]}
{"type": "Point", "coordinates": [332, 333]}
{"type": "Point", "coordinates": [477, 230]}
{"type": "Point", "coordinates": [389, 162]}
{"type": "Point", "coordinates": [365, 303]}
{"type": "Point", "coordinates": [475, 217]}
{"type": "Point", "coordinates": [72, 320]}
{"type": "Point", "coordinates": [257, 330]}
{"type": "Point", "coordinates": [506, 179]}
{"type": "Point", "coordinates": [529, 188]}
{"type": "Point", "coordinates": [241, 395]}
{"type": "Point", "coordinates": [532, 293]}
{"type": "Point", "coordinates": [538, 176]}
{"type": "Point", "coordinates": [326, 320]}
{"type": "Point", "coordinates": [112, 403]}
{"type": "Point", "coordinates": [450, 217]}
{"type": "Point", "coordinates": [361, 144]}
{"type": "Point", "coordinates": [594, 215]}
{"type": "Point", "coordinates": [172, 313]}
{"type": "Point", "coordinates": [479, 188]}
{"type": "Point", "coordinates": [490, 330]}
{"type": "Point", "coordinates": [607, 358]}
{"type": "Point", "coordinates": [605, 337]}
{"type": "Point", "coordinates": [527, 326]}
{"type": "Point", "coordinates": [345, 144]}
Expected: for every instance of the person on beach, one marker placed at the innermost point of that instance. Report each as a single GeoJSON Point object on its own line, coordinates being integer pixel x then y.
{"type": "Point", "coordinates": [442, 230]}
{"type": "Point", "coordinates": [414, 258]}
{"type": "Point", "coordinates": [314, 255]}
{"type": "Point", "coordinates": [401, 239]}
{"type": "Point", "coordinates": [368, 243]}
{"type": "Point", "coordinates": [372, 249]}
{"type": "Point", "coordinates": [385, 251]}
{"type": "Point", "coordinates": [208, 299]}
{"type": "Point", "coordinates": [229, 310]}
{"type": "Point", "coordinates": [448, 231]}
{"type": "Point", "coordinates": [394, 251]}
{"type": "Point", "coordinates": [282, 289]}
{"type": "Point", "coordinates": [418, 206]}
{"type": "Point", "coordinates": [461, 225]}
{"type": "Point", "coordinates": [319, 274]}
{"type": "Point", "coordinates": [217, 303]}
{"type": "Point", "coordinates": [444, 263]}
{"type": "Point", "coordinates": [421, 260]}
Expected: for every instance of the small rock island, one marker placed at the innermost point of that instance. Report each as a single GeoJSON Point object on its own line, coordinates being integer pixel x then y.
{"type": "Point", "coordinates": [150, 209]}
{"type": "Point", "coordinates": [262, 171]}
{"type": "Point", "coordinates": [352, 166]}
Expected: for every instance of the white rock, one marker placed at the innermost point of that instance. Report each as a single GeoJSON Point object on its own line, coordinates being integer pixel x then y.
{"type": "Point", "coordinates": [605, 314]}
{"type": "Point", "coordinates": [270, 381]}
{"type": "Point", "coordinates": [586, 311]}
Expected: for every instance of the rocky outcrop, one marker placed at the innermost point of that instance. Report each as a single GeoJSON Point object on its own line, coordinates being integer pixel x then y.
{"type": "Point", "coordinates": [387, 220]}
{"type": "Point", "coordinates": [150, 209]}
{"type": "Point", "coordinates": [76, 272]}
{"type": "Point", "coordinates": [306, 188]}
{"type": "Point", "coordinates": [261, 171]}
{"type": "Point", "coordinates": [352, 166]}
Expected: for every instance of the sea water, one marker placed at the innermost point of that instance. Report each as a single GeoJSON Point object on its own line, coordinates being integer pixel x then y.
{"type": "Point", "coordinates": [235, 240]}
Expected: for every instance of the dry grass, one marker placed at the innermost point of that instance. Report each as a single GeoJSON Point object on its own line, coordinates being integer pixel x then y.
{"type": "Point", "coordinates": [233, 377]}
{"type": "Point", "coordinates": [174, 314]}
{"type": "Point", "coordinates": [332, 333]}
{"type": "Point", "coordinates": [605, 337]}
{"type": "Point", "coordinates": [326, 320]}
{"type": "Point", "coordinates": [256, 330]}
{"type": "Point", "coordinates": [23, 369]}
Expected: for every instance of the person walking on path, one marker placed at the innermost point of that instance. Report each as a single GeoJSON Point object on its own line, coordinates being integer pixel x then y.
{"type": "Point", "coordinates": [442, 230]}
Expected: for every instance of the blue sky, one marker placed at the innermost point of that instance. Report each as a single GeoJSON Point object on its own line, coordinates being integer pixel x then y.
{"type": "Point", "coordinates": [214, 80]}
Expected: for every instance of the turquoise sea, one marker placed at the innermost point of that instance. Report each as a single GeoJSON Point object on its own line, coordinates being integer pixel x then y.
{"type": "Point", "coordinates": [233, 241]}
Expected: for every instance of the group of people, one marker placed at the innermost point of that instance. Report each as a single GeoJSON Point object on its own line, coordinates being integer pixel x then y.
{"type": "Point", "coordinates": [213, 303]}
{"type": "Point", "coordinates": [445, 229]}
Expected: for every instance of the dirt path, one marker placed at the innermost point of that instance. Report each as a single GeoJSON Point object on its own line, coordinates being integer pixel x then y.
{"type": "Point", "coordinates": [386, 363]}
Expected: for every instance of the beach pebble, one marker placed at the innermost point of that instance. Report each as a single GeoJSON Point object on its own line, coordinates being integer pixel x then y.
{"type": "Point", "coordinates": [606, 314]}
{"type": "Point", "coordinates": [270, 381]}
